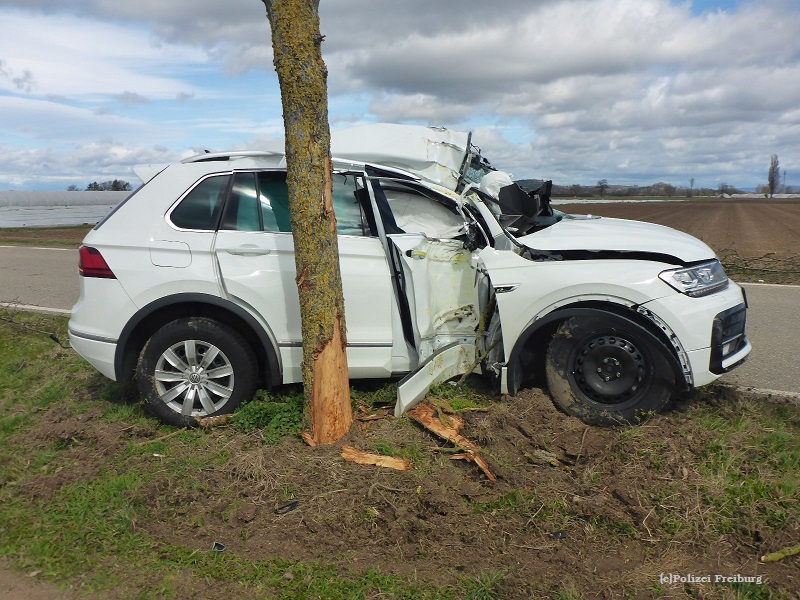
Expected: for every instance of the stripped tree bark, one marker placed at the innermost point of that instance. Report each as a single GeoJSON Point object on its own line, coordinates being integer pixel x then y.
{"type": "Point", "coordinates": [296, 45]}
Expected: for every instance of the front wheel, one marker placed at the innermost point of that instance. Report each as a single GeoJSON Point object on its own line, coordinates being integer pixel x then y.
{"type": "Point", "coordinates": [195, 367]}
{"type": "Point", "coordinates": [608, 370]}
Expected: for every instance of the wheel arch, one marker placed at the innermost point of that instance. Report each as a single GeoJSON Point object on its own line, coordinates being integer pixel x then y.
{"type": "Point", "coordinates": [151, 317]}
{"type": "Point", "coordinates": [528, 352]}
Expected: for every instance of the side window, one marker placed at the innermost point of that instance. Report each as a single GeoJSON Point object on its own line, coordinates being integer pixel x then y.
{"type": "Point", "coordinates": [345, 205]}
{"type": "Point", "coordinates": [241, 210]}
{"type": "Point", "coordinates": [274, 201]}
{"type": "Point", "coordinates": [200, 208]}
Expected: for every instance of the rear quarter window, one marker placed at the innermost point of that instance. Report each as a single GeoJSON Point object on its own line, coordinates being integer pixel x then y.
{"type": "Point", "coordinates": [200, 208]}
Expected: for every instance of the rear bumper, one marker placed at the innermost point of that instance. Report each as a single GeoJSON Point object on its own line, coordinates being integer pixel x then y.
{"type": "Point", "coordinates": [99, 352]}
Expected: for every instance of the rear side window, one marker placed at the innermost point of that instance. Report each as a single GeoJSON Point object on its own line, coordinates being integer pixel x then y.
{"type": "Point", "coordinates": [260, 202]}
{"type": "Point", "coordinates": [274, 201]}
{"type": "Point", "coordinates": [241, 211]}
{"type": "Point", "coordinates": [200, 208]}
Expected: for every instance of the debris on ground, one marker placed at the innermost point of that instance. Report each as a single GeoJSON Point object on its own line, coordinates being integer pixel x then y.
{"type": "Point", "coordinates": [432, 419]}
{"type": "Point", "coordinates": [365, 458]}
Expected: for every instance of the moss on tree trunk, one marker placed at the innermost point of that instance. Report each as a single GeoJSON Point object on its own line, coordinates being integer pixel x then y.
{"type": "Point", "coordinates": [296, 44]}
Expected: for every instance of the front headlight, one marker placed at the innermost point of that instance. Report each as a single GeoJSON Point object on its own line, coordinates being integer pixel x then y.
{"type": "Point", "coordinates": [699, 280]}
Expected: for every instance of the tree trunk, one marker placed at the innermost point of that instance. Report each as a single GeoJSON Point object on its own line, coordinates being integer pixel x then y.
{"type": "Point", "coordinates": [296, 42]}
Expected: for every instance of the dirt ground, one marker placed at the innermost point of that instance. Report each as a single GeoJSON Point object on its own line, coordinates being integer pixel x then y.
{"type": "Point", "coordinates": [574, 507]}
{"type": "Point", "coordinates": [756, 238]}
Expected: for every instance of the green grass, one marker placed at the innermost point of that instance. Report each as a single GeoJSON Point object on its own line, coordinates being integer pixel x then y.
{"type": "Point", "coordinates": [92, 528]}
{"type": "Point", "coordinates": [87, 532]}
{"type": "Point", "coordinates": [44, 236]}
{"type": "Point", "coordinates": [275, 416]}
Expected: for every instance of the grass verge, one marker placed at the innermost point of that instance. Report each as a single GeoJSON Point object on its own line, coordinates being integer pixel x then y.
{"type": "Point", "coordinates": [98, 496]}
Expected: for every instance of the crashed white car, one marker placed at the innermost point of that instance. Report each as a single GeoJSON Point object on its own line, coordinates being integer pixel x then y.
{"type": "Point", "coordinates": [189, 284]}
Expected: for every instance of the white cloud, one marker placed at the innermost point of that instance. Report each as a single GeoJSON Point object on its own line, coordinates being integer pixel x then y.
{"type": "Point", "coordinates": [47, 120]}
{"type": "Point", "coordinates": [79, 57]}
{"type": "Point", "coordinates": [577, 90]}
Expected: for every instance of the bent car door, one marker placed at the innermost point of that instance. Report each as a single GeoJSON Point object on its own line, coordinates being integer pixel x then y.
{"type": "Point", "coordinates": [439, 288]}
{"type": "Point", "coordinates": [255, 254]}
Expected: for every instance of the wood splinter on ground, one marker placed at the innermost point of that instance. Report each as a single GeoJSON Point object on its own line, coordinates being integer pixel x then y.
{"type": "Point", "coordinates": [209, 422]}
{"type": "Point", "coordinates": [308, 438]}
{"type": "Point", "coordinates": [425, 415]}
{"type": "Point", "coordinates": [365, 458]}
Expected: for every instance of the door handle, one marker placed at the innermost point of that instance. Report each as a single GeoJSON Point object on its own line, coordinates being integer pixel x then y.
{"type": "Point", "coordinates": [248, 250]}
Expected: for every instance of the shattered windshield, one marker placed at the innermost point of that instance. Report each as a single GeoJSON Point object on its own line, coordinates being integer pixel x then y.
{"type": "Point", "coordinates": [477, 168]}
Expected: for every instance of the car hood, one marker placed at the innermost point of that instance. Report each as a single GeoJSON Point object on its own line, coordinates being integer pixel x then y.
{"type": "Point", "coordinates": [576, 233]}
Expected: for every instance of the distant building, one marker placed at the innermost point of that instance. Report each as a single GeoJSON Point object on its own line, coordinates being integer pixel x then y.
{"type": "Point", "coordinates": [31, 199]}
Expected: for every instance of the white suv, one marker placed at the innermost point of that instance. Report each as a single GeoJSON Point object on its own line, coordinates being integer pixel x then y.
{"type": "Point", "coordinates": [189, 284]}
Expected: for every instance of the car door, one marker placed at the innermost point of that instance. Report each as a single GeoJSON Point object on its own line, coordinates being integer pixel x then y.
{"type": "Point", "coordinates": [437, 275]}
{"type": "Point", "coordinates": [255, 256]}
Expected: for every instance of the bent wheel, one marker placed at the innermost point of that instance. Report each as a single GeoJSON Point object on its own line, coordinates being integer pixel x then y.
{"type": "Point", "coordinates": [608, 370]}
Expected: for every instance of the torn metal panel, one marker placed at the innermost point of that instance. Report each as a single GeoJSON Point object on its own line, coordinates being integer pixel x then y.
{"type": "Point", "coordinates": [447, 363]}
{"type": "Point", "coordinates": [443, 291]}
{"type": "Point", "coordinates": [432, 153]}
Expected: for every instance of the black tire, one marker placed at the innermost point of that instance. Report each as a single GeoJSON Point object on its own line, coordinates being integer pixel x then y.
{"type": "Point", "coordinates": [608, 371]}
{"type": "Point", "coordinates": [195, 367]}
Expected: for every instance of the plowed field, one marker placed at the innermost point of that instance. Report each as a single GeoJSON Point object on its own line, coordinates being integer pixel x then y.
{"type": "Point", "coordinates": [756, 239]}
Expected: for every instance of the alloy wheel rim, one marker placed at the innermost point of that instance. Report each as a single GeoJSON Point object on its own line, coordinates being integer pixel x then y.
{"type": "Point", "coordinates": [194, 378]}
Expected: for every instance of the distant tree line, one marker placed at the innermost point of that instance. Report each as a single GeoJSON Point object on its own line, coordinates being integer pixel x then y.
{"type": "Point", "coordinates": [116, 185]}
{"type": "Point", "coordinates": [603, 188]}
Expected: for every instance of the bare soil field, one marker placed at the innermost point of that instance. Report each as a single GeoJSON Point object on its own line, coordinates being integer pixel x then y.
{"type": "Point", "coordinates": [756, 238]}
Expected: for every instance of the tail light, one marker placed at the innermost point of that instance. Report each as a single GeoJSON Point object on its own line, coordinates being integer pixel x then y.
{"type": "Point", "coordinates": [92, 264]}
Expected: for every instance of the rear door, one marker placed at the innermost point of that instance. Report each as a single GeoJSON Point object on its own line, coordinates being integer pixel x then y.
{"type": "Point", "coordinates": [255, 256]}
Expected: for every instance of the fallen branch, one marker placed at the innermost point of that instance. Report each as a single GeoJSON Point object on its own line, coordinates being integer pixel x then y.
{"type": "Point", "coordinates": [365, 458]}
{"type": "Point", "coordinates": [476, 458]}
{"type": "Point", "coordinates": [308, 439]}
{"type": "Point", "coordinates": [209, 422]}
{"type": "Point", "coordinates": [374, 417]}
{"type": "Point", "coordinates": [781, 554]}
{"type": "Point", "coordinates": [425, 415]}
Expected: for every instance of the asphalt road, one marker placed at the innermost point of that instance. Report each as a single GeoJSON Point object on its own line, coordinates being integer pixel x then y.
{"type": "Point", "coordinates": [773, 327]}
{"type": "Point", "coordinates": [47, 279]}
{"type": "Point", "coordinates": [39, 277]}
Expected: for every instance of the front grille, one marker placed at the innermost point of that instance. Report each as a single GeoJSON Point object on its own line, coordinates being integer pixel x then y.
{"type": "Point", "coordinates": [727, 336]}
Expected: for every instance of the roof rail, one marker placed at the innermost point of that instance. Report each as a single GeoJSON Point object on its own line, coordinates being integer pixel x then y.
{"type": "Point", "coordinates": [223, 156]}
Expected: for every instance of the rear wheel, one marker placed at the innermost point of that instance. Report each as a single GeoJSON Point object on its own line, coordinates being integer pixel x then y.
{"type": "Point", "coordinates": [195, 367]}
{"type": "Point", "coordinates": [608, 370]}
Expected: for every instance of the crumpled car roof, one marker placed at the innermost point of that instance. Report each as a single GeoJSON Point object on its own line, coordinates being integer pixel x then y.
{"type": "Point", "coordinates": [434, 154]}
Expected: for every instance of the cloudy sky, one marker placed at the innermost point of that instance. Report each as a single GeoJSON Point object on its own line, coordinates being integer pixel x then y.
{"type": "Point", "coordinates": [632, 91]}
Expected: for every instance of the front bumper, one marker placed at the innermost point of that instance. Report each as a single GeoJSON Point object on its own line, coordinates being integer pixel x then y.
{"type": "Point", "coordinates": [711, 330]}
{"type": "Point", "coordinates": [729, 345]}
